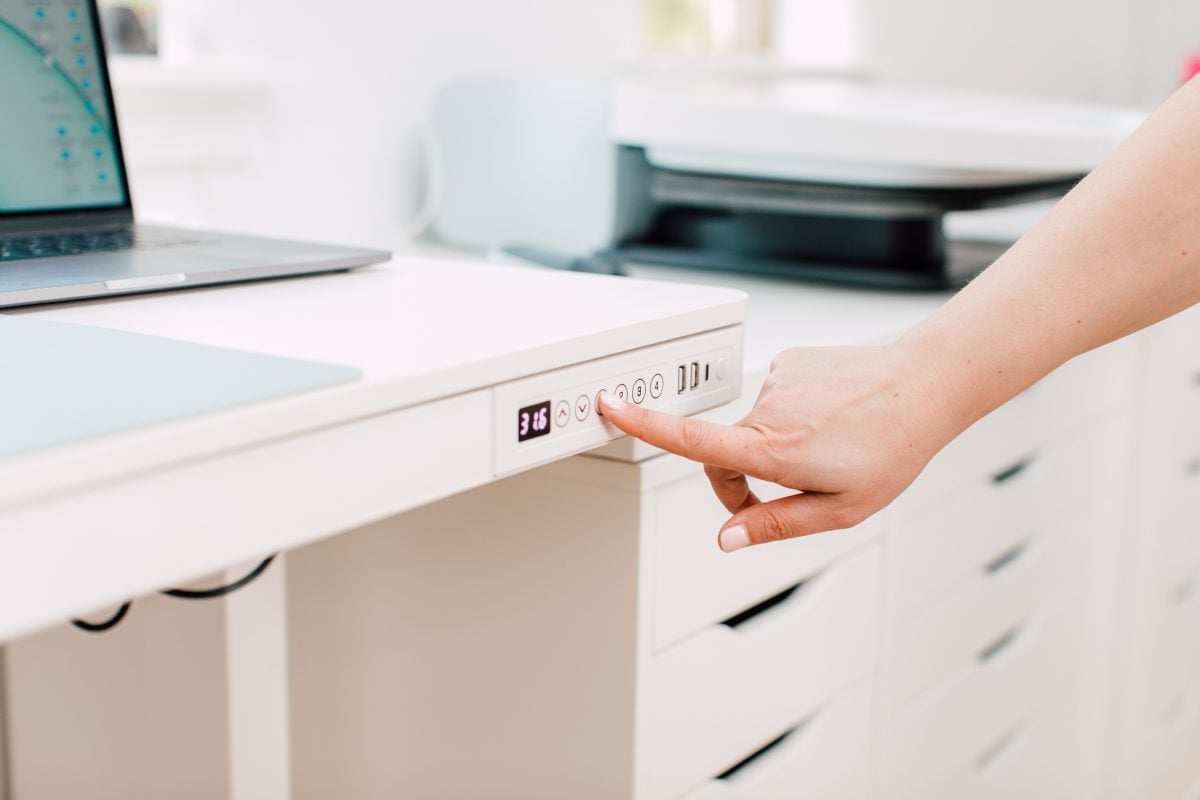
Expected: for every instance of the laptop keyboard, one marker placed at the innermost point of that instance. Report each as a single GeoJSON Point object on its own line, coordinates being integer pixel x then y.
{"type": "Point", "coordinates": [46, 245]}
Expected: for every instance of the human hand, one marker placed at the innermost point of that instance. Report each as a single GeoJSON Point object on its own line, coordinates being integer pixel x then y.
{"type": "Point", "coordinates": [849, 428]}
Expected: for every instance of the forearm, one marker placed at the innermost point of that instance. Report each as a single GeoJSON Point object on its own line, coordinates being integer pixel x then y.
{"type": "Point", "coordinates": [1119, 253]}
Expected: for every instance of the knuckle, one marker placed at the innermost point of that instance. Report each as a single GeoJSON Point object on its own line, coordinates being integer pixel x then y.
{"type": "Point", "coordinates": [842, 517]}
{"type": "Point", "coordinates": [773, 527]}
{"type": "Point", "coordinates": [780, 358]}
{"type": "Point", "coordinates": [695, 435]}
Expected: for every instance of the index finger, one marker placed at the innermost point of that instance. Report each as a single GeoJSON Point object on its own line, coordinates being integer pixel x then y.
{"type": "Point", "coordinates": [734, 448]}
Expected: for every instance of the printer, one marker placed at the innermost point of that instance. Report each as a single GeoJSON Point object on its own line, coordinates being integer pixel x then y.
{"type": "Point", "coordinates": [836, 181]}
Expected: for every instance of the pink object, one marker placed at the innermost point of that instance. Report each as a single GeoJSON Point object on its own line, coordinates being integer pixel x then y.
{"type": "Point", "coordinates": [1191, 67]}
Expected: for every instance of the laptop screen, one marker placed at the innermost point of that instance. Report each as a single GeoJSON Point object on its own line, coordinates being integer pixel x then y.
{"type": "Point", "coordinates": [59, 149]}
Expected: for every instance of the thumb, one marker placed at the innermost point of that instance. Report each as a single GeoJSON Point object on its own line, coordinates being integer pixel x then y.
{"type": "Point", "coordinates": [787, 518]}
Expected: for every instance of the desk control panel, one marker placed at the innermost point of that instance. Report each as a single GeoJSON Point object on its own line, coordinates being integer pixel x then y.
{"type": "Point", "coordinates": [555, 414]}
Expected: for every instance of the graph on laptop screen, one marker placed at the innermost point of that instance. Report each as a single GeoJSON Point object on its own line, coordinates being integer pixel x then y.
{"type": "Point", "coordinates": [58, 149]}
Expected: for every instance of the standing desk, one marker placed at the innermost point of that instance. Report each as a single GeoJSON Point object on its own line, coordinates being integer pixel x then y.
{"type": "Point", "coordinates": [102, 520]}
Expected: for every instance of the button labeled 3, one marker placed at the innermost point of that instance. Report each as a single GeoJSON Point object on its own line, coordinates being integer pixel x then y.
{"type": "Point", "coordinates": [639, 391]}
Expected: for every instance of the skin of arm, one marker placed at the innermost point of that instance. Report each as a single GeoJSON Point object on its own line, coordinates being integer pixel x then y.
{"type": "Point", "coordinates": [851, 428]}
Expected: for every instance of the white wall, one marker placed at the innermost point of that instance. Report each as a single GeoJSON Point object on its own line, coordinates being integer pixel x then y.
{"type": "Point", "coordinates": [1126, 51]}
{"type": "Point", "coordinates": [346, 160]}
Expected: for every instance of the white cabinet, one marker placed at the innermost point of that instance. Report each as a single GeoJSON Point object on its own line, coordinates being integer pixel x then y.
{"type": "Point", "coordinates": [1155, 752]}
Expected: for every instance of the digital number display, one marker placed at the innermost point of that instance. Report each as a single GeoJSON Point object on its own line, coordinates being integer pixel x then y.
{"type": "Point", "coordinates": [533, 421]}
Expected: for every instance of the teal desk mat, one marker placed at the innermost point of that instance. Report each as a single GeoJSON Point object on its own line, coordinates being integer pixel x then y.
{"type": "Point", "coordinates": [62, 383]}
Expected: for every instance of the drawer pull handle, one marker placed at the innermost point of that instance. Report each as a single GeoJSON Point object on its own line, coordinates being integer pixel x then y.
{"type": "Point", "coordinates": [1005, 475]}
{"type": "Point", "coordinates": [1008, 557]}
{"type": "Point", "coordinates": [1003, 642]}
{"type": "Point", "coordinates": [1184, 708]}
{"type": "Point", "coordinates": [1005, 744]}
{"type": "Point", "coordinates": [758, 609]}
{"type": "Point", "coordinates": [1187, 591]}
{"type": "Point", "coordinates": [744, 767]}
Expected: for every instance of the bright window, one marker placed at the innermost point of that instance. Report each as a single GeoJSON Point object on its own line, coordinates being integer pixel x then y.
{"type": "Point", "coordinates": [797, 32]}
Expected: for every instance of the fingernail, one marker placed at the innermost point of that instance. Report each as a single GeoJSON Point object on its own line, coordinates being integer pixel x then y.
{"type": "Point", "coordinates": [611, 401]}
{"type": "Point", "coordinates": [733, 538]}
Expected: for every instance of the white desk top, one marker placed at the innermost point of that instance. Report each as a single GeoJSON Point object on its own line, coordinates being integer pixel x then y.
{"type": "Point", "coordinates": [419, 330]}
{"type": "Point", "coordinates": [92, 523]}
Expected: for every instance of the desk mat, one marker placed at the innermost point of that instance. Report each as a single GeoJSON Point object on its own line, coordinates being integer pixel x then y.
{"type": "Point", "coordinates": [62, 383]}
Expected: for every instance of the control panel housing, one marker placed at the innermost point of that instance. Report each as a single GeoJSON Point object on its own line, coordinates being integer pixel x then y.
{"type": "Point", "coordinates": [552, 415]}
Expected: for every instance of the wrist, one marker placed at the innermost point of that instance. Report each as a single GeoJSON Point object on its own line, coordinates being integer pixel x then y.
{"type": "Point", "coordinates": [940, 399]}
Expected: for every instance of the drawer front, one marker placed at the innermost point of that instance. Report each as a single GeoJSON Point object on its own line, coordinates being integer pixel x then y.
{"type": "Point", "coordinates": [1032, 761]}
{"type": "Point", "coordinates": [731, 688]}
{"type": "Point", "coordinates": [1170, 764]}
{"type": "Point", "coordinates": [927, 553]}
{"type": "Point", "coordinates": [951, 737]}
{"type": "Point", "coordinates": [696, 585]}
{"type": "Point", "coordinates": [827, 756]}
{"type": "Point", "coordinates": [1079, 391]}
{"type": "Point", "coordinates": [1173, 664]}
{"type": "Point", "coordinates": [982, 610]}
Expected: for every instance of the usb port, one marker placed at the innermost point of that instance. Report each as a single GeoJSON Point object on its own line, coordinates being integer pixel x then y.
{"type": "Point", "coordinates": [695, 375]}
{"type": "Point", "coordinates": [682, 378]}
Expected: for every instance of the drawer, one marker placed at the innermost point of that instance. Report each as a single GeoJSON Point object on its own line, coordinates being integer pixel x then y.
{"type": "Point", "coordinates": [948, 738]}
{"type": "Point", "coordinates": [728, 689]}
{"type": "Point", "coordinates": [1173, 664]}
{"type": "Point", "coordinates": [926, 553]}
{"type": "Point", "coordinates": [1177, 538]}
{"type": "Point", "coordinates": [827, 756]}
{"type": "Point", "coordinates": [696, 585]}
{"type": "Point", "coordinates": [1033, 761]}
{"type": "Point", "coordinates": [1170, 766]}
{"type": "Point", "coordinates": [989, 605]}
{"type": "Point", "coordinates": [1078, 392]}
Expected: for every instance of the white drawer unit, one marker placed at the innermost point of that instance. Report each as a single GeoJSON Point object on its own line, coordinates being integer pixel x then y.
{"type": "Point", "coordinates": [1173, 662]}
{"type": "Point", "coordinates": [1170, 754]}
{"type": "Point", "coordinates": [725, 691]}
{"type": "Point", "coordinates": [983, 611]}
{"type": "Point", "coordinates": [825, 755]}
{"type": "Point", "coordinates": [1032, 761]}
{"type": "Point", "coordinates": [1071, 399]}
{"type": "Point", "coordinates": [696, 585]}
{"type": "Point", "coordinates": [555, 414]}
{"type": "Point", "coordinates": [1010, 506]}
{"type": "Point", "coordinates": [946, 739]}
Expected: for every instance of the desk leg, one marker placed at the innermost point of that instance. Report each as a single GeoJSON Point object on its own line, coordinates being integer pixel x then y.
{"type": "Point", "coordinates": [257, 664]}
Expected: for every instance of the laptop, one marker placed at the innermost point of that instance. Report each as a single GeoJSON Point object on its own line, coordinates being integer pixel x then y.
{"type": "Point", "coordinates": [67, 227]}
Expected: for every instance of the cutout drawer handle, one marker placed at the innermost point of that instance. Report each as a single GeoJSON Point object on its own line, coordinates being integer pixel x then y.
{"type": "Point", "coordinates": [1187, 591]}
{"type": "Point", "coordinates": [1008, 557]}
{"type": "Point", "coordinates": [760, 608]}
{"type": "Point", "coordinates": [1003, 642]}
{"type": "Point", "coordinates": [1184, 708]}
{"type": "Point", "coordinates": [1191, 467]}
{"type": "Point", "coordinates": [745, 768]}
{"type": "Point", "coordinates": [1001, 747]}
{"type": "Point", "coordinates": [1005, 475]}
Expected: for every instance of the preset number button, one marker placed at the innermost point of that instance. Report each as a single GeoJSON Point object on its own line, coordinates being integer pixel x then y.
{"type": "Point", "coordinates": [639, 391]}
